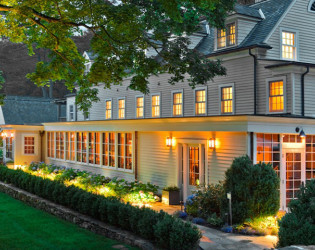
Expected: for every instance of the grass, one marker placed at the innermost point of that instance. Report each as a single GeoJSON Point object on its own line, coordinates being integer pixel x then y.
{"type": "Point", "coordinates": [24, 227]}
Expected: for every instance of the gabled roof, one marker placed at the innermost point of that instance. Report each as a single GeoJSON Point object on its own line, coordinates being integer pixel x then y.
{"type": "Point", "coordinates": [273, 10]}
{"type": "Point", "coordinates": [247, 11]}
{"type": "Point", "coordinates": [29, 110]}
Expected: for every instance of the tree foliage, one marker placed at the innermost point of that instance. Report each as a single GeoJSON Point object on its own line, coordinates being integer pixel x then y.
{"type": "Point", "coordinates": [122, 31]}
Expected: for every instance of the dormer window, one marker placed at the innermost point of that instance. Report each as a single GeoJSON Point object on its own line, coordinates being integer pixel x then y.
{"type": "Point", "coordinates": [289, 50]}
{"type": "Point", "coordinates": [226, 37]}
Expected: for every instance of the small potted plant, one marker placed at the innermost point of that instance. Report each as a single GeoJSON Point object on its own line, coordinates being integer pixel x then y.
{"type": "Point", "coordinates": [170, 195]}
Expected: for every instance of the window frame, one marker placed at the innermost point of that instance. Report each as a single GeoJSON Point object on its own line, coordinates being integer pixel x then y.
{"type": "Point", "coordinates": [233, 98]}
{"type": "Point", "coordinates": [206, 100]}
{"type": "Point", "coordinates": [276, 79]}
{"type": "Point", "coordinates": [227, 34]}
{"type": "Point", "coordinates": [35, 144]}
{"type": "Point", "coordinates": [176, 92]}
{"type": "Point", "coordinates": [71, 113]}
{"type": "Point", "coordinates": [118, 109]}
{"type": "Point", "coordinates": [136, 106]}
{"type": "Point", "coordinates": [111, 110]}
{"type": "Point", "coordinates": [156, 94]}
{"type": "Point", "coordinates": [309, 8]}
{"type": "Point", "coordinates": [296, 42]}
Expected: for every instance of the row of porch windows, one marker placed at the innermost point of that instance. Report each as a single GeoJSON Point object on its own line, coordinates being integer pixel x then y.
{"type": "Point", "coordinates": [98, 148]}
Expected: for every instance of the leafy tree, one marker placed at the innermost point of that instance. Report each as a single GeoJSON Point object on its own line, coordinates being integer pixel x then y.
{"type": "Point", "coordinates": [122, 31]}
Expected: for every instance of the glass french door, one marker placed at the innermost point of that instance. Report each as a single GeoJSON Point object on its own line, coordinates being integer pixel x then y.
{"type": "Point", "coordinates": [292, 175]}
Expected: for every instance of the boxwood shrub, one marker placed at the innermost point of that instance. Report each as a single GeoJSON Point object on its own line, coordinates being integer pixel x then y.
{"type": "Point", "coordinates": [298, 226]}
{"type": "Point", "coordinates": [162, 229]}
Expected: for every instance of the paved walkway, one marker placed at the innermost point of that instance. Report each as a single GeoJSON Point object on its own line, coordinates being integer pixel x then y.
{"type": "Point", "coordinates": [216, 240]}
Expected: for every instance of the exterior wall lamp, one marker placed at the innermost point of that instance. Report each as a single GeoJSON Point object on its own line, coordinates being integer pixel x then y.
{"type": "Point", "coordinates": [170, 141]}
{"type": "Point", "coordinates": [211, 143]}
{"type": "Point", "coordinates": [300, 131]}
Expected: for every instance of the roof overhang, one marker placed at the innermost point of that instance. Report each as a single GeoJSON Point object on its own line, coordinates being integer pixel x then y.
{"type": "Point", "coordinates": [292, 67]}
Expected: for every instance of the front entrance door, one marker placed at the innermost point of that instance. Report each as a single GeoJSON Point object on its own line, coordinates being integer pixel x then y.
{"type": "Point", "coordinates": [292, 174]}
{"type": "Point", "coordinates": [193, 161]}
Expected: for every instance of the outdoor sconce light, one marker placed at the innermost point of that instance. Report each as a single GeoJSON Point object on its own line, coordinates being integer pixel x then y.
{"type": "Point", "coordinates": [300, 131]}
{"type": "Point", "coordinates": [211, 143]}
{"type": "Point", "coordinates": [170, 141]}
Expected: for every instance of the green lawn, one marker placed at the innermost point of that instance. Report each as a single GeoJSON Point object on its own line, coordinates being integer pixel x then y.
{"type": "Point", "coordinates": [24, 227]}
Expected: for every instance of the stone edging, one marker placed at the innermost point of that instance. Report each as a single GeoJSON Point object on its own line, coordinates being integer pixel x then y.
{"type": "Point", "coordinates": [76, 218]}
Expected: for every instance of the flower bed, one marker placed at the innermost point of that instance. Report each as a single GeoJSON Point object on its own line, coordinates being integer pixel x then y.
{"type": "Point", "coordinates": [164, 230]}
{"type": "Point", "coordinates": [136, 193]}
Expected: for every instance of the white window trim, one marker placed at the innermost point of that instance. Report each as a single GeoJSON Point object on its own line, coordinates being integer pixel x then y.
{"type": "Point", "coordinates": [136, 97]}
{"type": "Point", "coordinates": [274, 79]}
{"type": "Point", "coordinates": [118, 99]}
{"type": "Point", "coordinates": [236, 37]}
{"type": "Point", "coordinates": [220, 98]}
{"type": "Point", "coordinates": [310, 6]}
{"type": "Point", "coordinates": [172, 99]}
{"type": "Point", "coordinates": [35, 144]}
{"type": "Point", "coordinates": [196, 89]}
{"type": "Point", "coordinates": [296, 37]}
{"type": "Point", "coordinates": [154, 94]}
{"type": "Point", "coordinates": [111, 100]}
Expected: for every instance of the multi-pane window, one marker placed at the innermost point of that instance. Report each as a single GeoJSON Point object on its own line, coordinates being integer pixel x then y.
{"type": "Point", "coordinates": [51, 144]}
{"type": "Point", "coordinates": [139, 108]}
{"type": "Point", "coordinates": [268, 150]}
{"type": "Point", "coordinates": [70, 146]}
{"type": "Point", "coordinates": [125, 150]}
{"type": "Point", "coordinates": [200, 102]}
{"type": "Point", "coordinates": [94, 148]}
{"type": "Point", "coordinates": [288, 45]}
{"type": "Point", "coordinates": [108, 109]}
{"type": "Point", "coordinates": [8, 147]}
{"type": "Point", "coordinates": [108, 149]}
{"type": "Point", "coordinates": [155, 105]}
{"type": "Point", "coordinates": [121, 108]}
{"type": "Point", "coordinates": [81, 146]}
{"type": "Point", "coordinates": [226, 37]}
{"type": "Point", "coordinates": [60, 145]}
{"type": "Point", "coordinates": [226, 100]}
{"type": "Point", "coordinates": [310, 157]}
{"type": "Point", "coordinates": [194, 166]}
{"type": "Point", "coordinates": [177, 104]}
{"type": "Point", "coordinates": [29, 145]}
{"type": "Point", "coordinates": [231, 34]}
{"type": "Point", "coordinates": [276, 96]}
{"type": "Point", "coordinates": [71, 112]}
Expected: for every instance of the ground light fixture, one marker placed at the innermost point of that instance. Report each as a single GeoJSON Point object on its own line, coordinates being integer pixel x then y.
{"type": "Point", "coordinates": [300, 131]}
{"type": "Point", "coordinates": [211, 143]}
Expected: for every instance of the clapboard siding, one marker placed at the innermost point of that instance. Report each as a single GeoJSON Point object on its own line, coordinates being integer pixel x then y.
{"type": "Point", "coordinates": [244, 27]}
{"type": "Point", "coordinates": [239, 72]}
{"type": "Point", "coordinates": [299, 19]}
{"type": "Point", "coordinates": [309, 95]}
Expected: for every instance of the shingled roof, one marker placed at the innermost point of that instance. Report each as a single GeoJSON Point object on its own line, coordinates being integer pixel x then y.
{"type": "Point", "coordinates": [272, 10]}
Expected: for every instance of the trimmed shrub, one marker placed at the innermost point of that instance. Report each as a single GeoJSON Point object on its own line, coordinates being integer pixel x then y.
{"type": "Point", "coordinates": [254, 189]}
{"type": "Point", "coordinates": [298, 226]}
{"type": "Point", "coordinates": [163, 229]}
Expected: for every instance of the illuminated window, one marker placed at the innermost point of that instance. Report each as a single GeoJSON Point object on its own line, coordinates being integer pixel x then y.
{"type": "Point", "coordinates": [121, 108]}
{"type": "Point", "coordinates": [108, 109]}
{"type": "Point", "coordinates": [125, 151]}
{"type": "Point", "coordinates": [310, 157]}
{"type": "Point", "coordinates": [268, 150]}
{"type": "Point", "coordinates": [227, 100]}
{"type": "Point", "coordinates": [70, 146]}
{"type": "Point", "coordinates": [29, 145]}
{"type": "Point", "coordinates": [94, 148]}
{"type": "Point", "coordinates": [140, 108]}
{"type": "Point", "coordinates": [108, 149]}
{"type": "Point", "coordinates": [200, 102]}
{"type": "Point", "coordinates": [51, 144]}
{"type": "Point", "coordinates": [155, 105]}
{"type": "Point", "coordinates": [226, 37]}
{"type": "Point", "coordinates": [177, 104]}
{"type": "Point", "coordinates": [60, 145]}
{"type": "Point", "coordinates": [276, 96]}
{"type": "Point", "coordinates": [8, 147]}
{"type": "Point", "coordinates": [289, 45]}
{"type": "Point", "coordinates": [81, 146]}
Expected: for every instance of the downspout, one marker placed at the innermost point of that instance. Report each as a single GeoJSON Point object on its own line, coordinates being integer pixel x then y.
{"type": "Point", "coordinates": [252, 146]}
{"type": "Point", "coordinates": [255, 80]}
{"type": "Point", "coordinates": [42, 150]}
{"type": "Point", "coordinates": [302, 89]}
{"type": "Point", "coordinates": [136, 155]}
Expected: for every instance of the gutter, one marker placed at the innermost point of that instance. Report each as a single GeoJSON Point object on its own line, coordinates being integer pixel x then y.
{"type": "Point", "coordinates": [255, 80]}
{"type": "Point", "coordinates": [302, 89]}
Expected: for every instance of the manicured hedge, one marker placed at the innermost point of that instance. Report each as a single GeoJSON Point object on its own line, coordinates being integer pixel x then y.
{"type": "Point", "coordinates": [159, 227]}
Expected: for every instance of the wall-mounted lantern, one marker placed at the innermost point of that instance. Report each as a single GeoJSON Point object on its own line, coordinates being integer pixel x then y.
{"type": "Point", "coordinates": [170, 141]}
{"type": "Point", "coordinates": [300, 131]}
{"type": "Point", "coordinates": [211, 143]}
